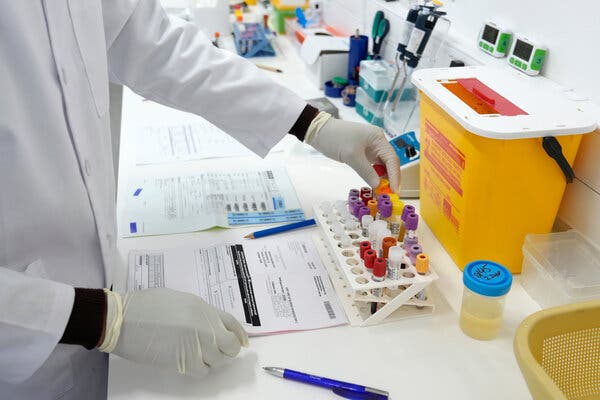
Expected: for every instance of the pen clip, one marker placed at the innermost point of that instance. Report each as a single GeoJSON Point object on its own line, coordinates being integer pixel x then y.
{"type": "Point", "coordinates": [351, 394]}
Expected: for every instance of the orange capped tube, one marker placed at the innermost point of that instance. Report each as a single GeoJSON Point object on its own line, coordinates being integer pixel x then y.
{"type": "Point", "coordinates": [372, 204]}
{"type": "Point", "coordinates": [422, 264]}
{"type": "Point", "coordinates": [387, 243]}
{"type": "Point", "coordinates": [384, 187]}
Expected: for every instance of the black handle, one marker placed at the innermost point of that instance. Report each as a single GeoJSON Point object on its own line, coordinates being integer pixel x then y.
{"type": "Point", "coordinates": [554, 150]}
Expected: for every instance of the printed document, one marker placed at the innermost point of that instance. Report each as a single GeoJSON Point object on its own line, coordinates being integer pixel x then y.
{"type": "Point", "coordinates": [188, 203]}
{"type": "Point", "coordinates": [193, 140]}
{"type": "Point", "coordinates": [270, 285]}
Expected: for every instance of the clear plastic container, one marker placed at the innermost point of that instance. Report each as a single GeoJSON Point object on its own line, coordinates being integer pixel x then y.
{"type": "Point", "coordinates": [376, 78]}
{"type": "Point", "coordinates": [486, 285]}
{"type": "Point", "coordinates": [367, 108]}
{"type": "Point", "coordinates": [560, 268]}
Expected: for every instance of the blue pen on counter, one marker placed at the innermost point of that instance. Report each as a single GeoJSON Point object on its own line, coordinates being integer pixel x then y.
{"type": "Point", "coordinates": [344, 389]}
{"type": "Point", "coordinates": [280, 229]}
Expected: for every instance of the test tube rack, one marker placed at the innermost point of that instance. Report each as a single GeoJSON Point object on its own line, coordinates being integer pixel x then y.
{"type": "Point", "coordinates": [252, 40]}
{"type": "Point", "coordinates": [353, 282]}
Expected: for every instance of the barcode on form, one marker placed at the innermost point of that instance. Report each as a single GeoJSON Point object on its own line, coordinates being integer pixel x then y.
{"type": "Point", "coordinates": [329, 309]}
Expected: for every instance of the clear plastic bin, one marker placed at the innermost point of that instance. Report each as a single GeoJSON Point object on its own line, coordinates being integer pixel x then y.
{"type": "Point", "coordinates": [368, 109]}
{"type": "Point", "coordinates": [560, 268]}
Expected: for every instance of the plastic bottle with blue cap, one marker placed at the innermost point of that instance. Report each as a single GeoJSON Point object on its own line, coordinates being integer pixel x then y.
{"type": "Point", "coordinates": [486, 286]}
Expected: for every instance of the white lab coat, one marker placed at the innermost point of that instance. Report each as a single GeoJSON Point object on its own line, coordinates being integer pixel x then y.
{"type": "Point", "coordinates": [57, 189]}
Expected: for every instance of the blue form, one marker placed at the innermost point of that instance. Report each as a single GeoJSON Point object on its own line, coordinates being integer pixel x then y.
{"type": "Point", "coordinates": [265, 217]}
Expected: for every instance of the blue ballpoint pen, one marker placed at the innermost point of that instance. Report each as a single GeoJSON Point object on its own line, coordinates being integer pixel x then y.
{"type": "Point", "coordinates": [281, 229]}
{"type": "Point", "coordinates": [344, 389]}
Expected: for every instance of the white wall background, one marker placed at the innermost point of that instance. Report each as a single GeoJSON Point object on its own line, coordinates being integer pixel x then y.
{"type": "Point", "coordinates": [568, 29]}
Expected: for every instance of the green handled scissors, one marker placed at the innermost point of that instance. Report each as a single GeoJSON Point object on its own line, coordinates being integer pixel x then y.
{"type": "Point", "coordinates": [381, 27]}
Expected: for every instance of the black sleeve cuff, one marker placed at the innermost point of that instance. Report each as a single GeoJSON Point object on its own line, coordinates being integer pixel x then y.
{"type": "Point", "coordinates": [303, 122]}
{"type": "Point", "coordinates": [86, 323]}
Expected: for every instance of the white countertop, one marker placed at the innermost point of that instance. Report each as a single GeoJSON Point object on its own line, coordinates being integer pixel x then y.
{"type": "Point", "coordinates": [425, 358]}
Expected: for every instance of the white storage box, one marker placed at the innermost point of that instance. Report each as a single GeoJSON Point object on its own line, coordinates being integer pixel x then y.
{"type": "Point", "coordinates": [325, 57]}
{"type": "Point", "coordinates": [560, 268]}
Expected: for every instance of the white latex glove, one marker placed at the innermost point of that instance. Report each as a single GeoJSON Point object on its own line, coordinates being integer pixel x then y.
{"type": "Point", "coordinates": [358, 145]}
{"type": "Point", "coordinates": [170, 329]}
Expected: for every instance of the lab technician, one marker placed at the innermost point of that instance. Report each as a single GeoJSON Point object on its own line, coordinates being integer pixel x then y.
{"type": "Point", "coordinates": [57, 189]}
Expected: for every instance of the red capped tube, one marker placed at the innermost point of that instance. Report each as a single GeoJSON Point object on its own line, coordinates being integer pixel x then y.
{"type": "Point", "coordinates": [370, 256]}
{"type": "Point", "coordinates": [379, 268]}
{"type": "Point", "coordinates": [364, 246]}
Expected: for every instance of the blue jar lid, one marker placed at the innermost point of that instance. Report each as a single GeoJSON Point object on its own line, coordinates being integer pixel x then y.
{"type": "Point", "coordinates": [487, 278]}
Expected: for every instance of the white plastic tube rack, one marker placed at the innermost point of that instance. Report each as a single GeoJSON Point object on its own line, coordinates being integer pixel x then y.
{"type": "Point", "coordinates": [353, 282]}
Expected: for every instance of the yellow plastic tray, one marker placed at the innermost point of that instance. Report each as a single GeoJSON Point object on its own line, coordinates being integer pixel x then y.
{"type": "Point", "coordinates": [558, 350]}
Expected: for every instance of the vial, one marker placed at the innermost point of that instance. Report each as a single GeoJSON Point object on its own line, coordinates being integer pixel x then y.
{"type": "Point", "coordinates": [365, 222]}
{"type": "Point", "coordinates": [395, 256]}
{"type": "Point", "coordinates": [422, 267]}
{"type": "Point", "coordinates": [413, 252]}
{"type": "Point", "coordinates": [396, 219]}
{"type": "Point", "coordinates": [486, 285]}
{"type": "Point", "coordinates": [379, 272]}
{"type": "Point", "coordinates": [406, 211]}
{"type": "Point", "coordinates": [410, 238]}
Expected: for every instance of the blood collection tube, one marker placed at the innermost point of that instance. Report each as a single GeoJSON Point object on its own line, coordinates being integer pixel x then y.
{"type": "Point", "coordinates": [365, 189]}
{"type": "Point", "coordinates": [413, 252]}
{"type": "Point", "coordinates": [374, 230]}
{"type": "Point", "coordinates": [364, 246]}
{"type": "Point", "coordinates": [353, 193]}
{"type": "Point", "coordinates": [384, 211]}
{"type": "Point", "coordinates": [408, 209]}
{"type": "Point", "coordinates": [378, 245]}
{"type": "Point", "coordinates": [410, 238]}
{"type": "Point", "coordinates": [366, 197]}
{"type": "Point", "coordinates": [372, 204]}
{"type": "Point", "coordinates": [357, 205]}
{"type": "Point", "coordinates": [362, 211]}
{"type": "Point", "coordinates": [383, 197]}
{"type": "Point", "coordinates": [422, 267]}
{"type": "Point", "coordinates": [395, 256]}
{"type": "Point", "coordinates": [369, 259]}
{"type": "Point", "coordinates": [388, 242]}
{"type": "Point", "coordinates": [379, 272]}
{"type": "Point", "coordinates": [396, 219]}
{"type": "Point", "coordinates": [365, 222]}
{"type": "Point", "coordinates": [384, 187]}
{"type": "Point", "coordinates": [380, 169]}
{"type": "Point", "coordinates": [351, 201]}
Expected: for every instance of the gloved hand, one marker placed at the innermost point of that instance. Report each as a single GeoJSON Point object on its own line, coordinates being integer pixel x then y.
{"type": "Point", "coordinates": [170, 329]}
{"type": "Point", "coordinates": [358, 145]}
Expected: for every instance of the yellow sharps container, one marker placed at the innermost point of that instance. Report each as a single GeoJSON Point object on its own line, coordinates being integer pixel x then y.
{"type": "Point", "coordinates": [486, 178]}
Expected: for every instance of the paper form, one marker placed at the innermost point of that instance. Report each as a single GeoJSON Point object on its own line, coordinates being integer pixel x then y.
{"type": "Point", "coordinates": [270, 285]}
{"type": "Point", "coordinates": [188, 203]}
{"type": "Point", "coordinates": [193, 140]}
